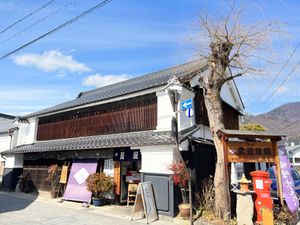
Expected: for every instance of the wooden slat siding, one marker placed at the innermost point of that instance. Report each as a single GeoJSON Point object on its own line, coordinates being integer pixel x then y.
{"type": "Point", "coordinates": [200, 109]}
{"type": "Point", "coordinates": [135, 114]}
{"type": "Point", "coordinates": [231, 117]}
{"type": "Point", "coordinates": [38, 175]}
{"type": "Point", "coordinates": [231, 120]}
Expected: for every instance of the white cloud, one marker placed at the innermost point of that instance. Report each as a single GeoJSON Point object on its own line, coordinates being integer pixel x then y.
{"type": "Point", "coordinates": [51, 61]}
{"type": "Point", "coordinates": [99, 80]}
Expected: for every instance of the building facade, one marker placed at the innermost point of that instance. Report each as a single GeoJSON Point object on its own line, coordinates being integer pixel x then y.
{"type": "Point", "coordinates": [7, 140]}
{"type": "Point", "coordinates": [128, 127]}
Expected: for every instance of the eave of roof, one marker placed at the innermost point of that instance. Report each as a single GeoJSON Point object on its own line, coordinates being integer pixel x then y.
{"type": "Point", "coordinates": [97, 142]}
{"type": "Point", "coordinates": [250, 134]}
{"type": "Point", "coordinates": [7, 116]}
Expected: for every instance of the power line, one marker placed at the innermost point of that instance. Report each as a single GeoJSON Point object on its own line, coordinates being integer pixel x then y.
{"type": "Point", "coordinates": [282, 83]}
{"type": "Point", "coordinates": [286, 62]}
{"type": "Point", "coordinates": [286, 78]}
{"type": "Point", "coordinates": [37, 22]}
{"type": "Point", "coordinates": [25, 17]}
{"type": "Point", "coordinates": [101, 4]}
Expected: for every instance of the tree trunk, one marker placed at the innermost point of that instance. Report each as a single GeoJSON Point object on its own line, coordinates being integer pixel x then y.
{"type": "Point", "coordinates": [213, 104]}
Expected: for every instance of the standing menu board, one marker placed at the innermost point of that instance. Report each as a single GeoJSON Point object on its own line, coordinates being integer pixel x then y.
{"type": "Point", "coordinates": [145, 202]}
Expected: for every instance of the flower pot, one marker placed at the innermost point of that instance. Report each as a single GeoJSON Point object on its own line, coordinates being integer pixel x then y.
{"type": "Point", "coordinates": [184, 210]}
{"type": "Point", "coordinates": [53, 194]}
{"type": "Point", "coordinates": [98, 202]}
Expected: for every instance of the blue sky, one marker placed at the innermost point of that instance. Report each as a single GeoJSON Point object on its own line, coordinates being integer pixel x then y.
{"type": "Point", "coordinates": [124, 39]}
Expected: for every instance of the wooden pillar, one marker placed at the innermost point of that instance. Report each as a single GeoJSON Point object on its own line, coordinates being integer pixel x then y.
{"type": "Point", "coordinates": [278, 172]}
{"type": "Point", "coordinates": [227, 168]}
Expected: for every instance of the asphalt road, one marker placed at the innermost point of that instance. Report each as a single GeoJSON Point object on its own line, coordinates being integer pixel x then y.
{"type": "Point", "coordinates": [19, 210]}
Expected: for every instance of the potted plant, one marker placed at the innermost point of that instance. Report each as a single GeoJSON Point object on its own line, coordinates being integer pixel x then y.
{"type": "Point", "coordinates": [181, 178]}
{"type": "Point", "coordinates": [99, 184]}
{"type": "Point", "coordinates": [53, 178]}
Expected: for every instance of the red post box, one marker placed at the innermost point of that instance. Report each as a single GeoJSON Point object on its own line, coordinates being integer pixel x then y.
{"type": "Point", "coordinates": [262, 186]}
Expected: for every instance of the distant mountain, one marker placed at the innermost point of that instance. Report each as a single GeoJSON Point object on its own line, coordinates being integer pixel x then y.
{"type": "Point", "coordinates": [284, 119]}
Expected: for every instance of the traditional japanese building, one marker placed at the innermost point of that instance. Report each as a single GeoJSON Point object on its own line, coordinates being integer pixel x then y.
{"type": "Point", "coordinates": [125, 127]}
{"type": "Point", "coordinates": [7, 140]}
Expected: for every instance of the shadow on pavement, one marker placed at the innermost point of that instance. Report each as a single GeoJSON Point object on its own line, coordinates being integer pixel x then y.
{"type": "Point", "coordinates": [13, 201]}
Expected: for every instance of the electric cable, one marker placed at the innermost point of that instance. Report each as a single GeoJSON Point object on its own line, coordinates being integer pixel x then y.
{"type": "Point", "coordinates": [37, 22]}
{"type": "Point", "coordinates": [25, 17]}
{"type": "Point", "coordinates": [101, 4]}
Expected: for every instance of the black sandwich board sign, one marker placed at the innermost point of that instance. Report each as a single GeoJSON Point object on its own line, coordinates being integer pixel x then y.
{"type": "Point", "coordinates": [145, 202]}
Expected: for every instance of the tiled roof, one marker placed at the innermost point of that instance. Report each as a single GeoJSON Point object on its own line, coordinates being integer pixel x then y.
{"type": "Point", "coordinates": [96, 142]}
{"type": "Point", "coordinates": [126, 87]}
{"type": "Point", "coordinates": [7, 116]}
{"type": "Point", "coordinates": [250, 133]}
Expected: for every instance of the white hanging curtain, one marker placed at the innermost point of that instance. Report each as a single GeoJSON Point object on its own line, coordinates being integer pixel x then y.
{"type": "Point", "coordinates": [233, 175]}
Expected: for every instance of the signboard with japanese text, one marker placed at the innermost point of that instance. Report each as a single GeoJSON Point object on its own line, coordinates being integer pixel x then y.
{"type": "Point", "coordinates": [288, 185]}
{"type": "Point", "coordinates": [64, 175]}
{"type": "Point", "coordinates": [108, 168]}
{"type": "Point", "coordinates": [126, 154]}
{"type": "Point", "coordinates": [250, 151]}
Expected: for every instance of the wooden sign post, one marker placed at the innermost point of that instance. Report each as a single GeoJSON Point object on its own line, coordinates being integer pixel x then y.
{"type": "Point", "coordinates": [145, 202]}
{"type": "Point", "coordinates": [252, 146]}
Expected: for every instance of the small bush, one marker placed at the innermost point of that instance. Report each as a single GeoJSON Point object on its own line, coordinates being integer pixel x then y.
{"type": "Point", "coordinates": [181, 178]}
{"type": "Point", "coordinates": [283, 216]}
{"type": "Point", "coordinates": [53, 176]}
{"type": "Point", "coordinates": [99, 184]}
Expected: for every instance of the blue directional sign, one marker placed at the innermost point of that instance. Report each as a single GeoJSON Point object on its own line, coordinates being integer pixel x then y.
{"type": "Point", "coordinates": [187, 104]}
{"type": "Point", "coordinates": [189, 112]}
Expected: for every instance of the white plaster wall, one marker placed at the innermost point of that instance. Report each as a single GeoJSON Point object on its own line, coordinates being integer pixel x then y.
{"type": "Point", "coordinates": [14, 161]}
{"type": "Point", "coordinates": [164, 111]}
{"type": "Point", "coordinates": [23, 132]}
{"type": "Point", "coordinates": [4, 144]}
{"type": "Point", "coordinates": [203, 132]}
{"type": "Point", "coordinates": [15, 135]}
{"type": "Point", "coordinates": [155, 159]}
{"type": "Point", "coordinates": [229, 94]}
{"type": "Point", "coordinates": [27, 131]}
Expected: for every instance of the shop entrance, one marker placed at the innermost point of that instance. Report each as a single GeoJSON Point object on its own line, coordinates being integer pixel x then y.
{"type": "Point", "coordinates": [127, 164]}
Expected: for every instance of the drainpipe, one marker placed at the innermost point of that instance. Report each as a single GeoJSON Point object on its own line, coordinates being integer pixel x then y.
{"type": "Point", "coordinates": [10, 133]}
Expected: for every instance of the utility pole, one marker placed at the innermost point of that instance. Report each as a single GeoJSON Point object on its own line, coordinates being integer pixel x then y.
{"type": "Point", "coordinates": [174, 97]}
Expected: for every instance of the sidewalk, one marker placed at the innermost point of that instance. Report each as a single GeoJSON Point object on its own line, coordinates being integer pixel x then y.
{"type": "Point", "coordinates": [115, 211]}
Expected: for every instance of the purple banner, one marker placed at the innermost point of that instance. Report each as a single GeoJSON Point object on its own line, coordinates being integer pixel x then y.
{"type": "Point", "coordinates": [288, 186]}
{"type": "Point", "coordinates": [76, 187]}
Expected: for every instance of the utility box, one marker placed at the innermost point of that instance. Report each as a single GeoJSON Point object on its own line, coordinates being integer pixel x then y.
{"type": "Point", "coordinates": [262, 188]}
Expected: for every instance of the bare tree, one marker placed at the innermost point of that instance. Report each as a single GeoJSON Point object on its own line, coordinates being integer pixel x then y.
{"type": "Point", "coordinates": [231, 48]}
